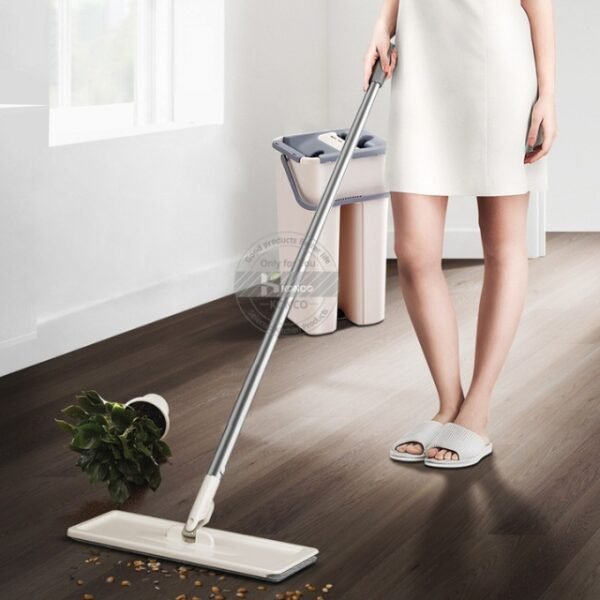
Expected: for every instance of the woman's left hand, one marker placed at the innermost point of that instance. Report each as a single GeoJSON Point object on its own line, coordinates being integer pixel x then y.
{"type": "Point", "coordinates": [543, 115]}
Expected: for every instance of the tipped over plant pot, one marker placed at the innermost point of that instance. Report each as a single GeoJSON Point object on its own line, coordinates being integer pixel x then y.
{"type": "Point", "coordinates": [119, 444]}
{"type": "Point", "coordinates": [155, 407]}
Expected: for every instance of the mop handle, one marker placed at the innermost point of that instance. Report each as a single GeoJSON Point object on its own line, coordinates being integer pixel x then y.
{"type": "Point", "coordinates": [203, 506]}
{"type": "Point", "coordinates": [284, 304]}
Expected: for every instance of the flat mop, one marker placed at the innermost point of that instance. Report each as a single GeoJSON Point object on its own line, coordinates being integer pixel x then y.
{"type": "Point", "coordinates": [192, 542]}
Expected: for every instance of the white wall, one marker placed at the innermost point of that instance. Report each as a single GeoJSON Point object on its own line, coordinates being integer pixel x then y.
{"type": "Point", "coordinates": [574, 199]}
{"type": "Point", "coordinates": [99, 238]}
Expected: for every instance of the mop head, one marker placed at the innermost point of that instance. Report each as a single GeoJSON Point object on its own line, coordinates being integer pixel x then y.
{"type": "Point", "coordinates": [238, 553]}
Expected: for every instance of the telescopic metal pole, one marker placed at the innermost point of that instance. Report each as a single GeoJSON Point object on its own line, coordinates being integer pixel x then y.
{"type": "Point", "coordinates": [204, 504]}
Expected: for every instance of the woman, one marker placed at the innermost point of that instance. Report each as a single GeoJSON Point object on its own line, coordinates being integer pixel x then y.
{"type": "Point", "coordinates": [472, 112]}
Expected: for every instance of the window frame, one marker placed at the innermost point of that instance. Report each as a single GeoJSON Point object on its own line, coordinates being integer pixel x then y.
{"type": "Point", "coordinates": [153, 106]}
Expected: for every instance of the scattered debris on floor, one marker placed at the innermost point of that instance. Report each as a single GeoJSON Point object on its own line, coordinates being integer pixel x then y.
{"type": "Point", "coordinates": [204, 583]}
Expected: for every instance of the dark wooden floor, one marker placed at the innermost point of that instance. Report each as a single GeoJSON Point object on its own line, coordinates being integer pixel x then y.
{"type": "Point", "coordinates": [311, 465]}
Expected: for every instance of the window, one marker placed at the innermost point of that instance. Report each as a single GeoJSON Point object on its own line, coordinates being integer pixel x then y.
{"type": "Point", "coordinates": [122, 67]}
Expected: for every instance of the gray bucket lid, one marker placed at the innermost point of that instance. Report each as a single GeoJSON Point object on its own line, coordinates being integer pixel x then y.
{"type": "Point", "coordinates": [308, 145]}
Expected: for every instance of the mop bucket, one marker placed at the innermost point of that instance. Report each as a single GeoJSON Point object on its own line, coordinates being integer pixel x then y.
{"type": "Point", "coordinates": [354, 234]}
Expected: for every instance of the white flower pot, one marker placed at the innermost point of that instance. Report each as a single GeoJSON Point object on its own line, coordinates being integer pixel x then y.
{"type": "Point", "coordinates": [155, 407]}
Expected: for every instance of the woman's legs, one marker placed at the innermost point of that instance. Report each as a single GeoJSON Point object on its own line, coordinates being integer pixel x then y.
{"type": "Point", "coordinates": [419, 231]}
{"type": "Point", "coordinates": [503, 225]}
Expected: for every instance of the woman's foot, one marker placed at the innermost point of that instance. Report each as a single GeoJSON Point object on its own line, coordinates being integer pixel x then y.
{"type": "Point", "coordinates": [467, 418]}
{"type": "Point", "coordinates": [416, 447]}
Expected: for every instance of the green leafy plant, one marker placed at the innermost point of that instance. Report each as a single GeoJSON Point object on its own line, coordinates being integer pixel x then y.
{"type": "Point", "coordinates": [116, 444]}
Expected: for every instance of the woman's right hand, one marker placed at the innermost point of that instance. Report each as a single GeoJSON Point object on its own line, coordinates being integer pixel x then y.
{"type": "Point", "coordinates": [379, 46]}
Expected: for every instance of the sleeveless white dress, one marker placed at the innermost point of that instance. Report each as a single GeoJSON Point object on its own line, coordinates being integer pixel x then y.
{"type": "Point", "coordinates": [461, 99]}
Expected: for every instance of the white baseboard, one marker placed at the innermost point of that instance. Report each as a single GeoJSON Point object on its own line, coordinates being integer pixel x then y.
{"type": "Point", "coordinates": [58, 334]}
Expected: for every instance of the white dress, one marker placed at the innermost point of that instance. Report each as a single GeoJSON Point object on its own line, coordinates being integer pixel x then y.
{"type": "Point", "coordinates": [461, 99]}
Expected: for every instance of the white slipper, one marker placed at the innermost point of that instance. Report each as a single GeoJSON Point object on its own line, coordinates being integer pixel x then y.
{"type": "Point", "coordinates": [469, 446]}
{"type": "Point", "coordinates": [423, 434]}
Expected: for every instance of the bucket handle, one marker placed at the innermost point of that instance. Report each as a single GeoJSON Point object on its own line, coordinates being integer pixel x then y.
{"type": "Point", "coordinates": [305, 204]}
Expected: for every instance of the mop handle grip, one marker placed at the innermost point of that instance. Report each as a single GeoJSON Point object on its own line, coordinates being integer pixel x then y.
{"type": "Point", "coordinates": [378, 75]}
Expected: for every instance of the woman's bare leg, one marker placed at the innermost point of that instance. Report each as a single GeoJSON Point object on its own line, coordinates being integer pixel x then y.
{"type": "Point", "coordinates": [503, 225]}
{"type": "Point", "coordinates": [419, 231]}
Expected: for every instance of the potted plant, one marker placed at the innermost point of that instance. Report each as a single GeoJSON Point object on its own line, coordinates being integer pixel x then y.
{"type": "Point", "coordinates": [119, 444]}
